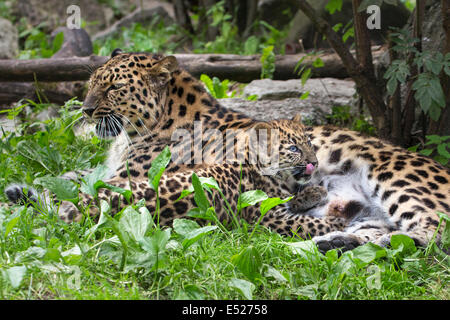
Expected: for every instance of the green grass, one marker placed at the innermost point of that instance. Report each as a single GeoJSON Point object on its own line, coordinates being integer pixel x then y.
{"type": "Point", "coordinates": [129, 257]}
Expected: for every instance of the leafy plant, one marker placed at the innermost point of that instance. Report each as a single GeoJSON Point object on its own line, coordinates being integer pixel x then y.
{"type": "Point", "coordinates": [218, 89]}
{"type": "Point", "coordinates": [305, 72]}
{"type": "Point", "coordinates": [267, 63]}
{"type": "Point", "coordinates": [427, 86]}
{"type": "Point", "coordinates": [38, 45]}
{"type": "Point", "coordinates": [438, 147]}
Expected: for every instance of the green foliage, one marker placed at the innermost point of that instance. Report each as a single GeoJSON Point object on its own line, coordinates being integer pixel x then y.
{"type": "Point", "coordinates": [341, 116]}
{"type": "Point", "coordinates": [305, 72]}
{"type": "Point", "coordinates": [49, 148]}
{"type": "Point", "coordinates": [151, 38]}
{"type": "Point", "coordinates": [333, 6]}
{"type": "Point", "coordinates": [436, 146]}
{"type": "Point", "coordinates": [427, 86]}
{"type": "Point", "coordinates": [38, 45]}
{"type": "Point", "coordinates": [218, 89]}
{"type": "Point", "coordinates": [267, 63]}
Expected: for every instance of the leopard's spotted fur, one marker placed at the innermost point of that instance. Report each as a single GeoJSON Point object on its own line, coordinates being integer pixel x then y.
{"type": "Point", "coordinates": [150, 97]}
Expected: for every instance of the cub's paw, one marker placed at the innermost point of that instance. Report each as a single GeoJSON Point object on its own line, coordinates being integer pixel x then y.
{"type": "Point", "coordinates": [17, 193]}
{"type": "Point", "coordinates": [337, 240]}
{"type": "Point", "coordinates": [308, 198]}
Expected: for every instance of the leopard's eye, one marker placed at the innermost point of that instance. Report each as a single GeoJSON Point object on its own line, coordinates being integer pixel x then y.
{"type": "Point", "coordinates": [309, 143]}
{"type": "Point", "coordinates": [294, 149]}
{"type": "Point", "coordinates": [116, 86]}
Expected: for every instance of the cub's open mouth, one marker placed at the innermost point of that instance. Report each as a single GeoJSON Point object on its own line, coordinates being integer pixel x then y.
{"type": "Point", "coordinates": [109, 126]}
{"type": "Point", "coordinates": [303, 173]}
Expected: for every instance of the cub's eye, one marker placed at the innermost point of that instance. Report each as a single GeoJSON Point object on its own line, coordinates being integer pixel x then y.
{"type": "Point", "coordinates": [309, 143]}
{"type": "Point", "coordinates": [294, 149]}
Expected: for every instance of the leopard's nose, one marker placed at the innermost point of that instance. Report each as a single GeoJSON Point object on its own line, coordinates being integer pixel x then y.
{"type": "Point", "coordinates": [88, 111]}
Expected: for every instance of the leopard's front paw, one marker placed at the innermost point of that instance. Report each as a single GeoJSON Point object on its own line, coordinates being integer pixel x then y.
{"type": "Point", "coordinates": [17, 193]}
{"type": "Point", "coordinates": [337, 240]}
{"type": "Point", "coordinates": [308, 198]}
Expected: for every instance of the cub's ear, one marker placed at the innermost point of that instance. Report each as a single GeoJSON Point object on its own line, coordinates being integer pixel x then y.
{"type": "Point", "coordinates": [116, 52]}
{"type": "Point", "coordinates": [297, 118]}
{"type": "Point", "coordinates": [160, 72]}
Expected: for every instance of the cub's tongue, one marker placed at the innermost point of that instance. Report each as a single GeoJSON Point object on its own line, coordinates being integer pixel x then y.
{"type": "Point", "coordinates": [309, 168]}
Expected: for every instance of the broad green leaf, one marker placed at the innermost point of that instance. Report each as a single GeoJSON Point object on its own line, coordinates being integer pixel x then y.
{"type": "Point", "coordinates": [305, 76]}
{"type": "Point", "coordinates": [305, 95]}
{"type": "Point", "coordinates": [53, 254]}
{"type": "Point", "coordinates": [250, 198]}
{"type": "Point", "coordinates": [158, 166]}
{"type": "Point", "coordinates": [309, 291]}
{"type": "Point", "coordinates": [88, 182]}
{"type": "Point", "coordinates": [274, 273]}
{"type": "Point", "coordinates": [207, 183]}
{"type": "Point", "coordinates": [209, 214]}
{"type": "Point", "coordinates": [127, 194]}
{"type": "Point", "coordinates": [304, 248]}
{"type": "Point", "coordinates": [318, 63]}
{"type": "Point", "coordinates": [368, 253]}
{"type": "Point", "coordinates": [195, 235]}
{"type": "Point", "coordinates": [269, 203]}
{"type": "Point", "coordinates": [135, 224]}
{"type": "Point", "coordinates": [157, 242]}
{"type": "Point", "coordinates": [434, 112]}
{"type": "Point", "coordinates": [245, 287]}
{"type": "Point", "coordinates": [10, 225]}
{"type": "Point", "coordinates": [249, 262]}
{"type": "Point", "coordinates": [208, 83]}
{"type": "Point", "coordinates": [403, 244]}
{"type": "Point", "coordinates": [190, 292]}
{"type": "Point", "coordinates": [57, 42]}
{"type": "Point", "coordinates": [426, 152]}
{"type": "Point", "coordinates": [15, 275]}
{"type": "Point", "coordinates": [184, 226]}
{"type": "Point", "coordinates": [32, 253]}
{"type": "Point", "coordinates": [199, 194]}
{"type": "Point", "coordinates": [62, 188]}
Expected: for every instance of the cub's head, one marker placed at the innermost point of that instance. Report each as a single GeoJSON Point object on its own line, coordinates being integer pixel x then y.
{"type": "Point", "coordinates": [296, 156]}
{"type": "Point", "coordinates": [128, 93]}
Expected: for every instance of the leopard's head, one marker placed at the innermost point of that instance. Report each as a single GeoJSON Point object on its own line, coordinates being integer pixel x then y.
{"type": "Point", "coordinates": [128, 93]}
{"type": "Point", "coordinates": [296, 157]}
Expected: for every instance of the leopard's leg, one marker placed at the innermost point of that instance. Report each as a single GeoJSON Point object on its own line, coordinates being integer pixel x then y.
{"type": "Point", "coordinates": [368, 224]}
{"type": "Point", "coordinates": [353, 236]}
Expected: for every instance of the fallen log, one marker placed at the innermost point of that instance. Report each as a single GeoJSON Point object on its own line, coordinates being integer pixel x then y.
{"type": "Point", "coordinates": [76, 43]}
{"type": "Point", "coordinates": [224, 66]}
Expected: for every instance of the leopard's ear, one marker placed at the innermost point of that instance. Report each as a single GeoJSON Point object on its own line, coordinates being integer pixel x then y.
{"type": "Point", "coordinates": [262, 125]}
{"type": "Point", "coordinates": [116, 52]}
{"type": "Point", "coordinates": [160, 72]}
{"type": "Point", "coordinates": [297, 118]}
{"type": "Point", "coordinates": [167, 64]}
